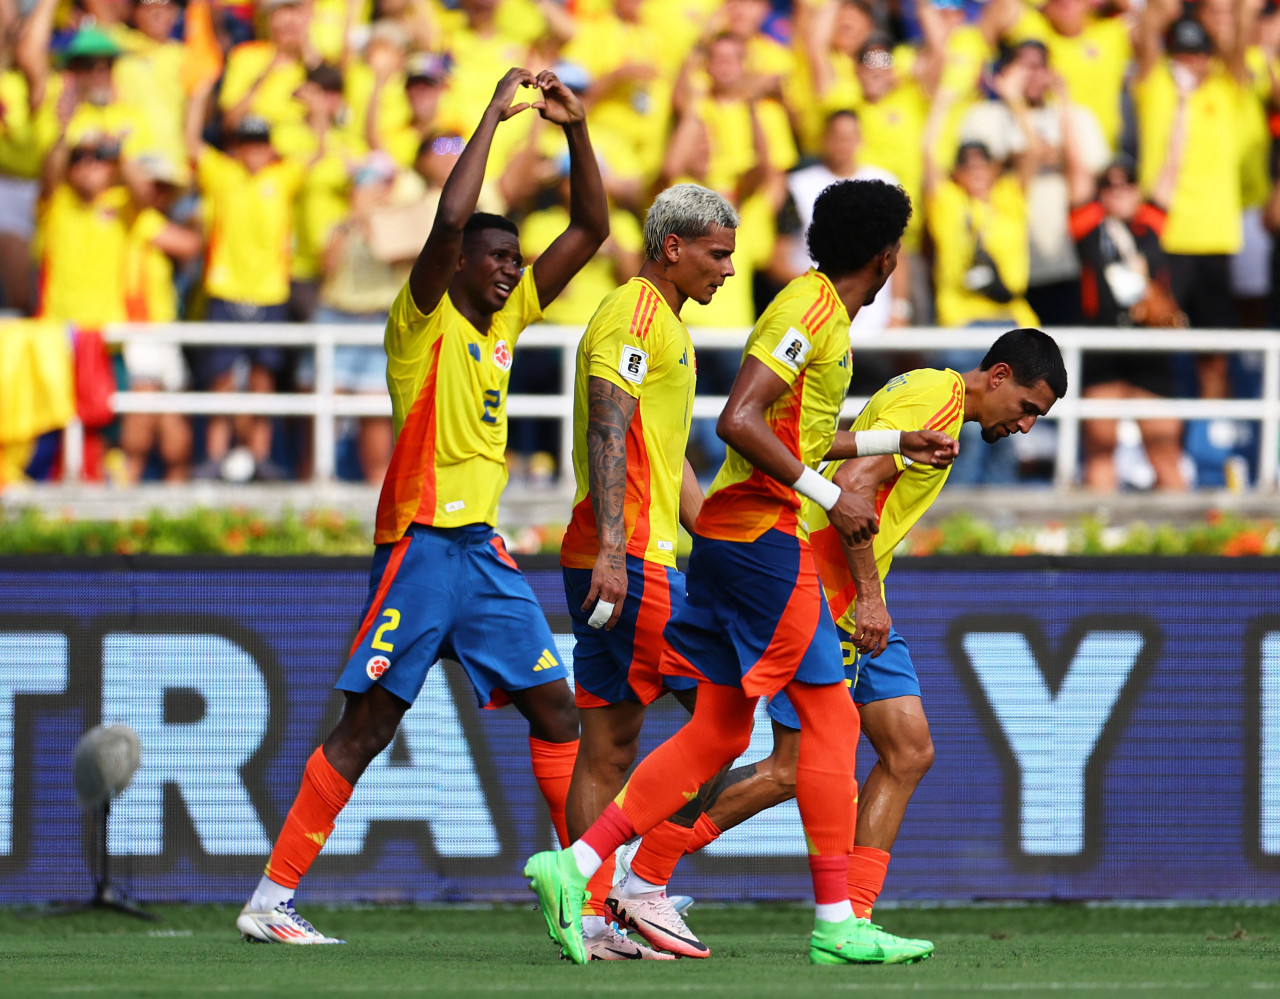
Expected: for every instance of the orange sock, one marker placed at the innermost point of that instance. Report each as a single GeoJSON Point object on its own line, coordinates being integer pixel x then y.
{"type": "Point", "coordinates": [553, 769]}
{"type": "Point", "coordinates": [670, 776]}
{"type": "Point", "coordinates": [660, 851]}
{"type": "Point", "coordinates": [867, 868]}
{"type": "Point", "coordinates": [323, 794]}
{"type": "Point", "coordinates": [826, 788]}
{"type": "Point", "coordinates": [704, 832]}
{"type": "Point", "coordinates": [599, 885]}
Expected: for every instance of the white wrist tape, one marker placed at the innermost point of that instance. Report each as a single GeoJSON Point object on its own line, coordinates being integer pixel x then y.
{"type": "Point", "coordinates": [878, 442]}
{"type": "Point", "coordinates": [600, 614]}
{"type": "Point", "coordinates": [821, 490]}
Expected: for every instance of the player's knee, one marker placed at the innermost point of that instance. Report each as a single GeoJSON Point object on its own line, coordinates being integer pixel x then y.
{"type": "Point", "coordinates": [782, 777]}
{"type": "Point", "coordinates": [910, 760]}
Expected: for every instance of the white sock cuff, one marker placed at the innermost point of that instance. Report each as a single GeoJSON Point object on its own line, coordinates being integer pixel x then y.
{"type": "Point", "coordinates": [588, 860]}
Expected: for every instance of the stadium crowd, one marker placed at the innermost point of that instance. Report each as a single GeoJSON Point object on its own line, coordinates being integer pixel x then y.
{"type": "Point", "coordinates": [1069, 163]}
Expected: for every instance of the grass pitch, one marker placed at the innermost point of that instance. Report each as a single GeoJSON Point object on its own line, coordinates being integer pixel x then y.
{"type": "Point", "coordinates": [757, 952]}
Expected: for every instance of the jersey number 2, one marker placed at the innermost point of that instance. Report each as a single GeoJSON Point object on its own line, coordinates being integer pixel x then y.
{"type": "Point", "coordinates": [492, 400]}
{"type": "Point", "coordinates": [391, 624]}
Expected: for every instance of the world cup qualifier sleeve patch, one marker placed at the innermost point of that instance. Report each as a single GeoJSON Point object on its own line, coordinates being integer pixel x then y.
{"type": "Point", "coordinates": [792, 349]}
{"type": "Point", "coordinates": [634, 365]}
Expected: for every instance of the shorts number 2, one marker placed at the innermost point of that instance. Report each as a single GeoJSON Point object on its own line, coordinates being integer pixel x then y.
{"type": "Point", "coordinates": [391, 624]}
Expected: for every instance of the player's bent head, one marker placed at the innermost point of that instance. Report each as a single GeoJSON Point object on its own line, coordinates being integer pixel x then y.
{"type": "Point", "coordinates": [855, 223]}
{"type": "Point", "coordinates": [1022, 377]}
{"type": "Point", "coordinates": [688, 212]}
{"type": "Point", "coordinates": [1032, 356]}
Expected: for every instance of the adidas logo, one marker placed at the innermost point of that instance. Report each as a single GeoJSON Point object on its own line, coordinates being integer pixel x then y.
{"type": "Point", "coordinates": [546, 661]}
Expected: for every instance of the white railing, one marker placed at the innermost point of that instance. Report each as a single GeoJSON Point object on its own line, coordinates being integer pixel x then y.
{"type": "Point", "coordinates": [325, 406]}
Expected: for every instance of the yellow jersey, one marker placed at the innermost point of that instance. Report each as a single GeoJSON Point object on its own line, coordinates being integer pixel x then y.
{"type": "Point", "coordinates": [1205, 210]}
{"type": "Point", "coordinates": [955, 223]}
{"type": "Point", "coordinates": [892, 136]}
{"type": "Point", "coordinates": [1092, 64]}
{"type": "Point", "coordinates": [150, 295]}
{"type": "Point", "coordinates": [82, 248]}
{"type": "Point", "coordinates": [925, 398]}
{"type": "Point", "coordinates": [803, 338]}
{"type": "Point", "coordinates": [274, 100]}
{"type": "Point", "coordinates": [635, 341]}
{"type": "Point", "coordinates": [577, 303]}
{"type": "Point", "coordinates": [448, 385]}
{"type": "Point", "coordinates": [249, 218]}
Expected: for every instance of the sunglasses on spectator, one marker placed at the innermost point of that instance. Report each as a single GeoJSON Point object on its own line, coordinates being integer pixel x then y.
{"type": "Point", "coordinates": [448, 145]}
{"type": "Point", "coordinates": [100, 154]}
{"type": "Point", "coordinates": [1113, 182]}
{"type": "Point", "coordinates": [87, 63]}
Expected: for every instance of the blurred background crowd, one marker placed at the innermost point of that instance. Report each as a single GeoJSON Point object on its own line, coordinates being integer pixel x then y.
{"type": "Point", "coordinates": [1070, 163]}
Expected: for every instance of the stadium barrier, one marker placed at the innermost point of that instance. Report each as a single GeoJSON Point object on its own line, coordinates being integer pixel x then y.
{"type": "Point", "coordinates": [1105, 729]}
{"type": "Point", "coordinates": [326, 406]}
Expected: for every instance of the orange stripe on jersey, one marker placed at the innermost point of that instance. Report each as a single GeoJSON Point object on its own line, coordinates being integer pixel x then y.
{"type": "Point", "coordinates": [947, 413]}
{"type": "Point", "coordinates": [639, 491]}
{"type": "Point", "coordinates": [384, 584]}
{"type": "Point", "coordinates": [646, 309]}
{"type": "Point", "coordinates": [943, 417]}
{"type": "Point", "coordinates": [820, 311]}
{"type": "Point", "coordinates": [501, 549]}
{"type": "Point", "coordinates": [882, 494]}
{"type": "Point", "coordinates": [833, 568]}
{"type": "Point", "coordinates": [409, 489]}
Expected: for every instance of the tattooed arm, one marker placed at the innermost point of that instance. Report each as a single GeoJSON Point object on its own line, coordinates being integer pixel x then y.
{"type": "Point", "coordinates": [609, 412]}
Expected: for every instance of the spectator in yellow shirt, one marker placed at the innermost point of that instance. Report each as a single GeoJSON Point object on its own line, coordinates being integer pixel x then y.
{"type": "Point", "coordinates": [978, 222]}
{"type": "Point", "coordinates": [424, 80]}
{"type": "Point", "coordinates": [262, 77]}
{"type": "Point", "coordinates": [248, 197]}
{"type": "Point", "coordinates": [331, 154]}
{"type": "Point", "coordinates": [84, 218]}
{"type": "Point", "coordinates": [1176, 63]}
{"type": "Point", "coordinates": [1089, 49]}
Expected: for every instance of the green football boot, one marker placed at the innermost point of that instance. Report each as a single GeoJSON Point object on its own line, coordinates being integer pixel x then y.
{"type": "Point", "coordinates": [860, 941]}
{"type": "Point", "coordinates": [561, 891]}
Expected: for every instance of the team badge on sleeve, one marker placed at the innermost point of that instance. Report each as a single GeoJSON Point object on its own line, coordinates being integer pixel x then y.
{"type": "Point", "coordinates": [634, 364]}
{"type": "Point", "coordinates": [792, 349]}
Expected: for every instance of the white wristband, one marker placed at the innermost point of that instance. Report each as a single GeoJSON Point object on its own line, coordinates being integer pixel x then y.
{"type": "Point", "coordinates": [878, 442]}
{"type": "Point", "coordinates": [600, 614]}
{"type": "Point", "coordinates": [821, 490]}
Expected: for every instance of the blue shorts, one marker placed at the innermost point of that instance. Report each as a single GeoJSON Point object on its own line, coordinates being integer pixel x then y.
{"type": "Point", "coordinates": [891, 674]}
{"type": "Point", "coordinates": [622, 665]}
{"type": "Point", "coordinates": [450, 593]}
{"type": "Point", "coordinates": [755, 617]}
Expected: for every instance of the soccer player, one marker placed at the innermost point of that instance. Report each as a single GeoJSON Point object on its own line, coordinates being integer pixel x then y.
{"type": "Point", "coordinates": [442, 583]}
{"type": "Point", "coordinates": [754, 621]}
{"type": "Point", "coordinates": [1017, 382]}
{"type": "Point", "coordinates": [633, 396]}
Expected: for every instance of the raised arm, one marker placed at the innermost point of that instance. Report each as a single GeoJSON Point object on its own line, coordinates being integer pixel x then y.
{"type": "Point", "coordinates": [871, 618]}
{"type": "Point", "coordinates": [193, 124]}
{"type": "Point", "coordinates": [588, 208]}
{"type": "Point", "coordinates": [1148, 34]}
{"type": "Point", "coordinates": [609, 412]}
{"type": "Point", "coordinates": [31, 50]}
{"type": "Point", "coordinates": [1162, 192]}
{"type": "Point", "coordinates": [434, 269]}
{"type": "Point", "coordinates": [742, 426]}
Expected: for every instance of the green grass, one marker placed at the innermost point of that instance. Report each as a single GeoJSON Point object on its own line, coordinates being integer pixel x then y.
{"type": "Point", "coordinates": [757, 951]}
